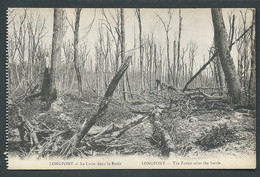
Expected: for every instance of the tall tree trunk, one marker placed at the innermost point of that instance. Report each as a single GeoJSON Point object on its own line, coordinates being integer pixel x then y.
{"type": "Point", "coordinates": [150, 63]}
{"type": "Point", "coordinates": [76, 46]}
{"type": "Point", "coordinates": [123, 50]}
{"type": "Point", "coordinates": [168, 58]}
{"type": "Point", "coordinates": [155, 63]}
{"type": "Point", "coordinates": [226, 60]}
{"type": "Point", "coordinates": [221, 76]}
{"type": "Point", "coordinates": [29, 62]}
{"type": "Point", "coordinates": [174, 81]}
{"type": "Point", "coordinates": [141, 48]}
{"type": "Point", "coordinates": [252, 82]}
{"type": "Point", "coordinates": [128, 84]}
{"type": "Point", "coordinates": [179, 44]}
{"type": "Point", "coordinates": [56, 48]}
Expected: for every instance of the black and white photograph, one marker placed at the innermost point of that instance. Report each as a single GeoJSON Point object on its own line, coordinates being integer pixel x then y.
{"type": "Point", "coordinates": [131, 88]}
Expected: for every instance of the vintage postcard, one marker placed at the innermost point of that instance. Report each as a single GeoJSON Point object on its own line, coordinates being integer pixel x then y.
{"type": "Point", "coordinates": [131, 88]}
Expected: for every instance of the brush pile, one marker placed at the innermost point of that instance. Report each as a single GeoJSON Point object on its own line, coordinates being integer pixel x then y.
{"type": "Point", "coordinates": [158, 124]}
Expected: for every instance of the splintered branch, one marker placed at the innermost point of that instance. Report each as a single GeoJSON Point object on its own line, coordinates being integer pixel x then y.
{"type": "Point", "coordinates": [104, 102]}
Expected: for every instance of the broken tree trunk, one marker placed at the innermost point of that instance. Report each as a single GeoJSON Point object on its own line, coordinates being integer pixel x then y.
{"type": "Point", "coordinates": [167, 146]}
{"type": "Point", "coordinates": [166, 141]}
{"type": "Point", "coordinates": [46, 82]}
{"type": "Point", "coordinates": [26, 129]}
{"type": "Point", "coordinates": [104, 102]}
{"type": "Point", "coordinates": [44, 92]}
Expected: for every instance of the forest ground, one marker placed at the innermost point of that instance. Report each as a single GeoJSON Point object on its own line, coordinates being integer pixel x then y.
{"type": "Point", "coordinates": [197, 127]}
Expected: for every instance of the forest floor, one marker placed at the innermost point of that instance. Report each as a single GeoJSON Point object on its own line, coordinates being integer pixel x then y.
{"type": "Point", "coordinates": [196, 127]}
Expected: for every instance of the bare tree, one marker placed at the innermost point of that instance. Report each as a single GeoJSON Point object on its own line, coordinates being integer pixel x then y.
{"type": "Point", "coordinates": [56, 48]}
{"type": "Point", "coordinates": [211, 59]}
{"type": "Point", "coordinates": [75, 30]}
{"type": "Point", "coordinates": [231, 20]}
{"type": "Point", "coordinates": [104, 48]}
{"type": "Point", "coordinates": [123, 50]}
{"type": "Point", "coordinates": [183, 64]}
{"type": "Point", "coordinates": [225, 57]}
{"type": "Point", "coordinates": [76, 45]}
{"type": "Point", "coordinates": [219, 70]}
{"type": "Point", "coordinates": [252, 81]}
{"type": "Point", "coordinates": [68, 75]}
{"type": "Point", "coordinates": [192, 53]}
{"type": "Point", "coordinates": [179, 43]}
{"type": "Point", "coordinates": [36, 31]}
{"type": "Point", "coordinates": [174, 63]}
{"type": "Point", "coordinates": [114, 30]}
{"type": "Point", "coordinates": [160, 58]}
{"type": "Point", "coordinates": [20, 44]}
{"type": "Point", "coordinates": [155, 62]}
{"type": "Point", "coordinates": [167, 28]}
{"type": "Point", "coordinates": [220, 73]}
{"type": "Point", "coordinates": [150, 54]}
{"type": "Point", "coordinates": [243, 58]}
{"type": "Point", "coordinates": [138, 14]}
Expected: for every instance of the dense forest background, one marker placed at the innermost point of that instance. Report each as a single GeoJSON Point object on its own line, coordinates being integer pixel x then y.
{"type": "Point", "coordinates": [175, 44]}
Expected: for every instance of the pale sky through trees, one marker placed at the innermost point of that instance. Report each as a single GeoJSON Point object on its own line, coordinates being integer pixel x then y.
{"type": "Point", "coordinates": [197, 27]}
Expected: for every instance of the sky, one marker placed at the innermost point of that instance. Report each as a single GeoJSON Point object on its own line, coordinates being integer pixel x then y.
{"type": "Point", "coordinates": [196, 26]}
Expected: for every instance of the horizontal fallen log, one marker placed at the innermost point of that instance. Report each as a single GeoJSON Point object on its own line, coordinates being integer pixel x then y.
{"type": "Point", "coordinates": [206, 88]}
{"type": "Point", "coordinates": [198, 94]}
{"type": "Point", "coordinates": [118, 130]}
{"type": "Point", "coordinates": [209, 97]}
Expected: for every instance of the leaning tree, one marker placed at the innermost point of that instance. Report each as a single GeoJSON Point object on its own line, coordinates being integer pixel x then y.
{"type": "Point", "coordinates": [221, 42]}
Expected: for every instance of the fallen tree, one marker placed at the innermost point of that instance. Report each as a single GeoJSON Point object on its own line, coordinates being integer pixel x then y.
{"type": "Point", "coordinates": [104, 137]}
{"type": "Point", "coordinates": [104, 102]}
{"type": "Point", "coordinates": [127, 137]}
{"type": "Point", "coordinates": [211, 59]}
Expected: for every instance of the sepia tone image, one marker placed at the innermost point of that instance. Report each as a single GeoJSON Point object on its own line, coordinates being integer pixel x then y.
{"type": "Point", "coordinates": [131, 88]}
